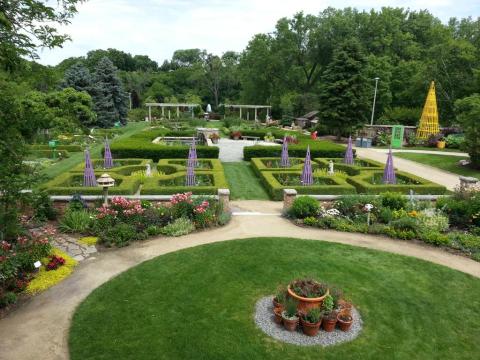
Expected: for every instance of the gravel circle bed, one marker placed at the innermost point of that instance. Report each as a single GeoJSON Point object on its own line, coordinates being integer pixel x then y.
{"type": "Point", "coordinates": [264, 320]}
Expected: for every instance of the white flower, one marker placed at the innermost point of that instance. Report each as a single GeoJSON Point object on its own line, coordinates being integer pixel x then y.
{"type": "Point", "coordinates": [332, 212]}
{"type": "Point", "coordinates": [368, 207]}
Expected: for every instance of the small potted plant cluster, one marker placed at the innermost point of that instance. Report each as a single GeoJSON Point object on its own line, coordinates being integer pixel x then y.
{"type": "Point", "coordinates": [214, 137]}
{"type": "Point", "coordinates": [312, 304]}
{"type": "Point", "coordinates": [235, 135]}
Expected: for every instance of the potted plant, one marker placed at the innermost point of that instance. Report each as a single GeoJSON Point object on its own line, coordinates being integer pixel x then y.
{"type": "Point", "coordinates": [441, 143]}
{"type": "Point", "coordinates": [214, 137]}
{"type": "Point", "coordinates": [308, 293]}
{"type": "Point", "coordinates": [280, 298]}
{"type": "Point", "coordinates": [344, 307]}
{"type": "Point", "coordinates": [344, 321]}
{"type": "Point", "coordinates": [277, 312]}
{"type": "Point", "coordinates": [235, 135]}
{"type": "Point", "coordinates": [289, 315]}
{"type": "Point", "coordinates": [329, 314]}
{"type": "Point", "coordinates": [311, 321]}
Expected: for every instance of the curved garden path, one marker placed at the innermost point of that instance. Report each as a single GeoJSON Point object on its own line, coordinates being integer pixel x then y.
{"type": "Point", "coordinates": [39, 329]}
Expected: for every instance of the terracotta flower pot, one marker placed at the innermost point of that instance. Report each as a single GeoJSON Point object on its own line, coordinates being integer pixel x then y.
{"type": "Point", "coordinates": [290, 324]}
{"type": "Point", "coordinates": [305, 304]}
{"type": "Point", "coordinates": [278, 315]}
{"type": "Point", "coordinates": [329, 323]}
{"type": "Point", "coordinates": [345, 307]}
{"type": "Point", "coordinates": [344, 322]}
{"type": "Point", "coordinates": [276, 304]}
{"type": "Point", "coordinates": [310, 329]}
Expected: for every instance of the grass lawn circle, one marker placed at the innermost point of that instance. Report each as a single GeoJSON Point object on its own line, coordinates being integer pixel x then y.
{"type": "Point", "coordinates": [198, 304]}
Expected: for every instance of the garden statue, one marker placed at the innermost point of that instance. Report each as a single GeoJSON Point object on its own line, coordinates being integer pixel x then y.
{"type": "Point", "coordinates": [148, 171]}
{"type": "Point", "coordinates": [330, 168]}
{"type": "Point", "coordinates": [209, 108]}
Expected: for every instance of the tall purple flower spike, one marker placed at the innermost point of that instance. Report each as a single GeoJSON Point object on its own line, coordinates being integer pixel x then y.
{"type": "Point", "coordinates": [285, 160]}
{"type": "Point", "coordinates": [389, 172]}
{"type": "Point", "coordinates": [88, 174]}
{"type": "Point", "coordinates": [348, 158]}
{"type": "Point", "coordinates": [190, 178]}
{"type": "Point", "coordinates": [307, 177]}
{"type": "Point", "coordinates": [107, 159]}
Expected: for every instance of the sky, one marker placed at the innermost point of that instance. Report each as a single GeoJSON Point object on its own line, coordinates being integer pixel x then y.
{"type": "Point", "coordinates": [159, 27]}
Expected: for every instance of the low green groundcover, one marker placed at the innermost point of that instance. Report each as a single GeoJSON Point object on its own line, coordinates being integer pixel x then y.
{"type": "Point", "coordinates": [199, 303]}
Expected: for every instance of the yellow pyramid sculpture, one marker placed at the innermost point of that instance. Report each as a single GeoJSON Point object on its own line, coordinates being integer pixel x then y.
{"type": "Point", "coordinates": [429, 119]}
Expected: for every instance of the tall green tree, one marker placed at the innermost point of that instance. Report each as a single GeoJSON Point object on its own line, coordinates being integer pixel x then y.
{"type": "Point", "coordinates": [468, 115]}
{"type": "Point", "coordinates": [78, 77]}
{"type": "Point", "coordinates": [109, 97]}
{"type": "Point", "coordinates": [343, 96]}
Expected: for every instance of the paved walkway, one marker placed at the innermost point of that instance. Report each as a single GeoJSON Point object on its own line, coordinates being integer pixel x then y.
{"type": "Point", "coordinates": [445, 178]}
{"type": "Point", "coordinates": [39, 329]}
{"type": "Point", "coordinates": [232, 150]}
{"type": "Point", "coordinates": [433, 152]}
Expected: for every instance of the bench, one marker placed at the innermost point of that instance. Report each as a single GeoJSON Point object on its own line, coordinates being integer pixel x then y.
{"type": "Point", "coordinates": [254, 138]}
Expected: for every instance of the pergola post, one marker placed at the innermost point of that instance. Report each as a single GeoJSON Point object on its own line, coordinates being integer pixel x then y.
{"type": "Point", "coordinates": [255, 114]}
{"type": "Point", "coordinates": [248, 115]}
{"type": "Point", "coordinates": [149, 113]}
{"type": "Point", "coordinates": [240, 113]}
{"type": "Point", "coordinates": [163, 112]}
{"type": "Point", "coordinates": [192, 112]}
{"type": "Point", "coordinates": [168, 113]}
{"type": "Point", "coordinates": [178, 112]}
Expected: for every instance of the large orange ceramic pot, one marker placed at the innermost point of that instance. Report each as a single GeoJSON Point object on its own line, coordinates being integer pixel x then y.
{"type": "Point", "coordinates": [305, 304]}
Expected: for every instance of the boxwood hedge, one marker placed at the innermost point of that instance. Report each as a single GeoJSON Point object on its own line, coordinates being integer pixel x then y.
{"type": "Point", "coordinates": [318, 149]}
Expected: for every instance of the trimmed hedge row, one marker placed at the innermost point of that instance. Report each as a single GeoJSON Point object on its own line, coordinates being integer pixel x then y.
{"type": "Point", "coordinates": [275, 189]}
{"type": "Point", "coordinates": [349, 169]}
{"type": "Point", "coordinates": [181, 165]}
{"type": "Point", "coordinates": [48, 153]}
{"type": "Point", "coordinates": [258, 165]}
{"type": "Point", "coordinates": [151, 185]}
{"type": "Point", "coordinates": [125, 163]}
{"type": "Point", "coordinates": [69, 148]}
{"type": "Point", "coordinates": [318, 149]}
{"type": "Point", "coordinates": [124, 185]}
{"type": "Point", "coordinates": [140, 146]}
{"type": "Point", "coordinates": [425, 187]}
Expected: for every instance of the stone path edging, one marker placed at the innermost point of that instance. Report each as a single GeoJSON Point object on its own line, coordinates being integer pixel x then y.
{"type": "Point", "coordinates": [41, 326]}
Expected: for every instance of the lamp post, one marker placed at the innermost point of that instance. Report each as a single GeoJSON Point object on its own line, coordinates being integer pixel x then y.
{"type": "Point", "coordinates": [374, 99]}
{"type": "Point", "coordinates": [105, 181]}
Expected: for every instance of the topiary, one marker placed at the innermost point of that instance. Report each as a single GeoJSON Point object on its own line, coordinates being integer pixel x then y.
{"type": "Point", "coordinates": [304, 206]}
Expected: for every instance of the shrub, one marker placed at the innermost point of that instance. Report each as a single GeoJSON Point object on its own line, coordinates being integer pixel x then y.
{"type": "Point", "coordinates": [463, 208]}
{"type": "Point", "coordinates": [304, 206]}
{"type": "Point", "coordinates": [393, 200]}
{"type": "Point", "coordinates": [7, 298]}
{"type": "Point", "coordinates": [153, 230]}
{"type": "Point", "coordinates": [224, 218]}
{"type": "Point", "coordinates": [464, 241]}
{"type": "Point", "coordinates": [385, 215]}
{"type": "Point", "coordinates": [43, 207]}
{"type": "Point", "coordinates": [75, 221]}
{"type": "Point", "coordinates": [119, 235]}
{"type": "Point", "coordinates": [181, 226]}
{"type": "Point", "coordinates": [434, 237]}
{"type": "Point", "coordinates": [318, 149]}
{"type": "Point", "coordinates": [352, 205]}
{"type": "Point", "coordinates": [182, 205]}
{"type": "Point", "coordinates": [455, 141]}
{"type": "Point", "coordinates": [435, 221]}
{"type": "Point", "coordinates": [405, 223]}
{"type": "Point", "coordinates": [310, 221]}
{"type": "Point", "coordinates": [467, 111]}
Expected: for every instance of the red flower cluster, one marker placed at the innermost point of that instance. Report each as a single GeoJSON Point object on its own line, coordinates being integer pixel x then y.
{"type": "Point", "coordinates": [106, 211]}
{"type": "Point", "coordinates": [55, 262]}
{"type": "Point", "coordinates": [201, 208]}
{"type": "Point", "coordinates": [5, 245]}
{"type": "Point", "coordinates": [179, 198]}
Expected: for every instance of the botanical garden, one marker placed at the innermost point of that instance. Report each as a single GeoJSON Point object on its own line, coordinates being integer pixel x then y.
{"type": "Point", "coordinates": [209, 208]}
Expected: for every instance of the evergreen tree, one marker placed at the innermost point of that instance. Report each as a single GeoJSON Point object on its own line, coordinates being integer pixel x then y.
{"type": "Point", "coordinates": [108, 95]}
{"type": "Point", "coordinates": [344, 102]}
{"type": "Point", "coordinates": [78, 77]}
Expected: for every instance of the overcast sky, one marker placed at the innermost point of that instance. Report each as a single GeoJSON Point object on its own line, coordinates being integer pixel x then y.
{"type": "Point", "coordinates": [159, 27]}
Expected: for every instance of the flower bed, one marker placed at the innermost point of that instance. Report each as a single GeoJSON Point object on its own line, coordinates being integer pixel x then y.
{"type": "Point", "coordinates": [126, 220]}
{"type": "Point", "coordinates": [450, 223]}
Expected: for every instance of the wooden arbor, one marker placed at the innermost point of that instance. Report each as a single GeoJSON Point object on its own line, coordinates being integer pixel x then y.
{"type": "Point", "coordinates": [256, 107]}
{"type": "Point", "coordinates": [169, 106]}
{"type": "Point", "coordinates": [429, 119]}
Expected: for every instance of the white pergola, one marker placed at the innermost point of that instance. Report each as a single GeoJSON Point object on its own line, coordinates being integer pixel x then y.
{"type": "Point", "coordinates": [169, 106]}
{"type": "Point", "coordinates": [256, 107]}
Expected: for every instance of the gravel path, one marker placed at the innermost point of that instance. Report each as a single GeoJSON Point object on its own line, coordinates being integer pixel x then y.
{"type": "Point", "coordinates": [264, 320]}
{"type": "Point", "coordinates": [232, 150]}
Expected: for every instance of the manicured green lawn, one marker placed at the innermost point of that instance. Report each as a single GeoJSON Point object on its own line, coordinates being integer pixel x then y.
{"type": "Point", "coordinates": [444, 162]}
{"type": "Point", "coordinates": [244, 184]}
{"type": "Point", "coordinates": [198, 304]}
{"type": "Point", "coordinates": [422, 148]}
{"type": "Point", "coordinates": [95, 152]}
